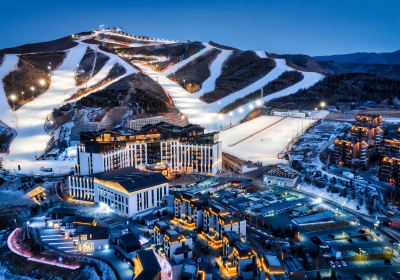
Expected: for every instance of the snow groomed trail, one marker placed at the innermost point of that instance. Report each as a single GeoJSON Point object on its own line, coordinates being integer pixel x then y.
{"type": "Point", "coordinates": [10, 62]}
{"type": "Point", "coordinates": [215, 71]}
{"type": "Point", "coordinates": [182, 63]}
{"type": "Point", "coordinates": [208, 115]}
{"type": "Point", "coordinates": [32, 139]}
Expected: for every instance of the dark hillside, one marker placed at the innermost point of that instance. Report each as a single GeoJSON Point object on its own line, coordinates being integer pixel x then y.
{"type": "Point", "coordinates": [49, 46]}
{"type": "Point", "coordinates": [193, 74]}
{"type": "Point", "coordinates": [241, 69]}
{"type": "Point", "coordinates": [353, 89]}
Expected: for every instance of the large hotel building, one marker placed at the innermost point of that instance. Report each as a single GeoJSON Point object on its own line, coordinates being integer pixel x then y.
{"type": "Point", "coordinates": [182, 149]}
{"type": "Point", "coordinates": [125, 169]}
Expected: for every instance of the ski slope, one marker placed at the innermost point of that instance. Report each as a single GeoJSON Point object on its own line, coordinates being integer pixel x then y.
{"type": "Point", "coordinates": [215, 71]}
{"type": "Point", "coordinates": [208, 115]}
{"type": "Point", "coordinates": [32, 139]}
{"type": "Point", "coordinates": [263, 138]}
{"type": "Point", "coordinates": [9, 64]}
{"type": "Point", "coordinates": [182, 63]}
{"type": "Point", "coordinates": [261, 54]}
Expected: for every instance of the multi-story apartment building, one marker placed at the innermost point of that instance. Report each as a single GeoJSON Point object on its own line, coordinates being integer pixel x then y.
{"type": "Point", "coordinates": [182, 149]}
{"type": "Point", "coordinates": [372, 136]}
{"type": "Point", "coordinates": [216, 221]}
{"type": "Point", "coordinates": [127, 191]}
{"type": "Point", "coordinates": [241, 263]}
{"type": "Point", "coordinates": [177, 246]}
{"type": "Point", "coordinates": [188, 210]}
{"type": "Point", "coordinates": [369, 120]}
{"type": "Point", "coordinates": [350, 154]}
{"type": "Point", "coordinates": [192, 212]}
{"type": "Point", "coordinates": [389, 170]}
{"type": "Point", "coordinates": [390, 147]}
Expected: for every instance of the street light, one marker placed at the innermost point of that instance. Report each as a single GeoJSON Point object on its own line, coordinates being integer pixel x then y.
{"type": "Point", "coordinates": [241, 110]}
{"type": "Point", "coordinates": [258, 102]}
{"type": "Point", "coordinates": [13, 97]}
{"type": "Point", "coordinates": [42, 82]}
{"type": "Point", "coordinates": [322, 104]}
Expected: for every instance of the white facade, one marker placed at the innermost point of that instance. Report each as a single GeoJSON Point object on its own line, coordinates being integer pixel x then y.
{"type": "Point", "coordinates": [129, 204]}
{"type": "Point", "coordinates": [118, 199]}
{"type": "Point", "coordinates": [81, 187]}
{"type": "Point", "coordinates": [137, 124]}
{"type": "Point", "coordinates": [182, 157]}
{"type": "Point", "coordinates": [288, 113]}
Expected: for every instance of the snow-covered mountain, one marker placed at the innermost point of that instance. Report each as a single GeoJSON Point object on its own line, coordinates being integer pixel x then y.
{"type": "Point", "coordinates": [51, 91]}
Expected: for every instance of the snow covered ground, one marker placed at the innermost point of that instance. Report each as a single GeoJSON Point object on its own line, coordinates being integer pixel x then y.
{"type": "Point", "coordinates": [31, 139]}
{"type": "Point", "coordinates": [10, 63]}
{"type": "Point", "coordinates": [207, 115]}
{"type": "Point", "coordinates": [29, 120]}
{"type": "Point", "coordinates": [182, 63]}
{"type": "Point", "coordinates": [215, 71]}
{"type": "Point", "coordinates": [263, 138]}
{"type": "Point", "coordinates": [345, 202]}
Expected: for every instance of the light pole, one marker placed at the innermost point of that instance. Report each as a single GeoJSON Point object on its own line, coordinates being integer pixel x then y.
{"type": "Point", "coordinates": [32, 88]}
{"type": "Point", "coordinates": [42, 84]}
{"type": "Point", "coordinates": [13, 97]}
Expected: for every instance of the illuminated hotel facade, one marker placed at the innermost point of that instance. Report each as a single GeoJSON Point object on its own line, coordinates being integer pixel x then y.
{"type": "Point", "coordinates": [181, 149]}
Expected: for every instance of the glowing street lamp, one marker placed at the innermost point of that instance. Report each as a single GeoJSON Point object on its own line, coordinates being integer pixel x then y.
{"type": "Point", "coordinates": [251, 106]}
{"type": "Point", "coordinates": [241, 110]}
{"type": "Point", "coordinates": [258, 103]}
{"type": "Point", "coordinates": [322, 104]}
{"type": "Point", "coordinates": [13, 98]}
{"type": "Point", "coordinates": [42, 82]}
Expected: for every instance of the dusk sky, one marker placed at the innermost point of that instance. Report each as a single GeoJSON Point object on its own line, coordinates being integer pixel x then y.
{"type": "Point", "coordinates": [313, 27]}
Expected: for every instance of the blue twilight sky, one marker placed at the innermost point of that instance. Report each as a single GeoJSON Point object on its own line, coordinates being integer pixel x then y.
{"type": "Point", "coordinates": [312, 27]}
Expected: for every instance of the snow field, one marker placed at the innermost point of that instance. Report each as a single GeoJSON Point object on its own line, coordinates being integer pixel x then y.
{"type": "Point", "coordinates": [263, 138]}
{"type": "Point", "coordinates": [9, 64]}
{"type": "Point", "coordinates": [31, 139]}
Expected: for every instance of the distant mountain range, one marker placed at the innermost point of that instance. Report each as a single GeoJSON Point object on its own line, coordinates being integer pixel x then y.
{"type": "Point", "coordinates": [388, 58]}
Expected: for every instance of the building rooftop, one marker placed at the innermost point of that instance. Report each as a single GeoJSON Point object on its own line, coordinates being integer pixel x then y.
{"type": "Point", "coordinates": [63, 211]}
{"type": "Point", "coordinates": [243, 249]}
{"type": "Point", "coordinates": [129, 242]}
{"type": "Point", "coordinates": [272, 260]}
{"type": "Point", "coordinates": [282, 173]}
{"type": "Point", "coordinates": [77, 219]}
{"type": "Point", "coordinates": [132, 179]}
{"type": "Point", "coordinates": [150, 266]}
{"type": "Point", "coordinates": [91, 229]}
{"type": "Point", "coordinates": [313, 218]}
